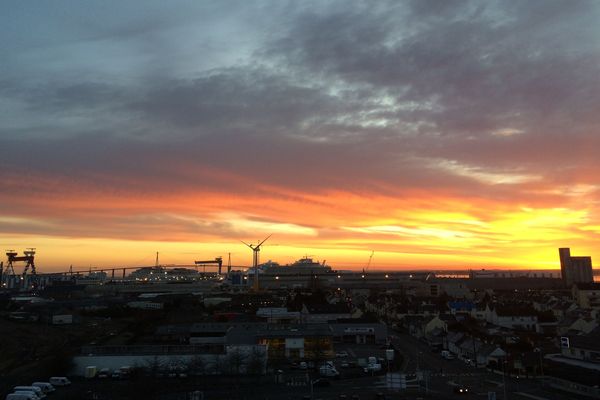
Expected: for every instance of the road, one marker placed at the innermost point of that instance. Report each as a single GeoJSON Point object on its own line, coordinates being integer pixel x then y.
{"type": "Point", "coordinates": [444, 374]}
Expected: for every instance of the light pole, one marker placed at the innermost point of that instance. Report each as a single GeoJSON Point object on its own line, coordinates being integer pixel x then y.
{"type": "Point", "coordinates": [539, 351]}
{"type": "Point", "coordinates": [418, 352]}
{"type": "Point", "coordinates": [504, 377]}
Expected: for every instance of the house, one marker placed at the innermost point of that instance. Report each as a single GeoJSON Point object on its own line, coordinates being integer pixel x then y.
{"type": "Point", "coordinates": [515, 317]}
{"type": "Point", "coordinates": [414, 325]}
{"type": "Point", "coordinates": [582, 347]}
{"type": "Point", "coordinates": [450, 319]}
{"type": "Point", "coordinates": [547, 324]}
{"type": "Point", "coordinates": [453, 341]}
{"type": "Point", "coordinates": [469, 348]}
{"type": "Point", "coordinates": [325, 312]}
{"type": "Point", "coordinates": [587, 295]}
{"type": "Point", "coordinates": [583, 325]}
{"type": "Point", "coordinates": [490, 355]}
{"type": "Point", "coordinates": [479, 312]}
{"type": "Point", "coordinates": [460, 306]}
{"type": "Point", "coordinates": [436, 339]}
{"type": "Point", "coordinates": [432, 323]}
{"type": "Point", "coordinates": [561, 308]}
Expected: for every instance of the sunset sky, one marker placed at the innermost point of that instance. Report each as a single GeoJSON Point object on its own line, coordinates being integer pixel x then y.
{"type": "Point", "coordinates": [438, 134]}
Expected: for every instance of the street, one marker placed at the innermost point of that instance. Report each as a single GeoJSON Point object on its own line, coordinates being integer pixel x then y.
{"type": "Point", "coordinates": [441, 375]}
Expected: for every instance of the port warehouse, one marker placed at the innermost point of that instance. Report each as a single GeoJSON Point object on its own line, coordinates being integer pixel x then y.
{"type": "Point", "coordinates": [168, 356]}
{"type": "Point", "coordinates": [216, 343]}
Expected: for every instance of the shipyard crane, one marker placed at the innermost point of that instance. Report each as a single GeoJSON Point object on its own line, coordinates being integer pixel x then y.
{"type": "Point", "coordinates": [255, 259]}
{"type": "Point", "coordinates": [28, 257]}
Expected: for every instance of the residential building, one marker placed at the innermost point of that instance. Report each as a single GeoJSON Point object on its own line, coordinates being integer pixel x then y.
{"type": "Point", "coordinates": [582, 347]}
{"type": "Point", "coordinates": [587, 295]}
{"type": "Point", "coordinates": [512, 317]}
{"type": "Point", "coordinates": [575, 269]}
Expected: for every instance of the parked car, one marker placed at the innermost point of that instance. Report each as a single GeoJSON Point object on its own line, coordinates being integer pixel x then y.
{"type": "Point", "coordinates": [38, 392]}
{"type": "Point", "coordinates": [30, 395]}
{"type": "Point", "coordinates": [59, 381]}
{"type": "Point", "coordinates": [21, 396]}
{"type": "Point", "coordinates": [117, 374]}
{"type": "Point", "coordinates": [104, 373]}
{"type": "Point", "coordinates": [45, 386]}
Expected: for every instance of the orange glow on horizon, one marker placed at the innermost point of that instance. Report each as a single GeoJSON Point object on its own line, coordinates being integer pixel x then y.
{"type": "Point", "coordinates": [414, 231]}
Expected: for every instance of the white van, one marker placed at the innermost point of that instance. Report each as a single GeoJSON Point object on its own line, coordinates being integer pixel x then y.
{"type": "Point", "coordinates": [39, 393]}
{"type": "Point", "coordinates": [45, 386]}
{"type": "Point", "coordinates": [59, 381]}
{"type": "Point", "coordinates": [22, 396]}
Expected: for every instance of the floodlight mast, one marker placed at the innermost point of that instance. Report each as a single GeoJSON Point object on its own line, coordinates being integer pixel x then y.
{"type": "Point", "coordinates": [255, 260]}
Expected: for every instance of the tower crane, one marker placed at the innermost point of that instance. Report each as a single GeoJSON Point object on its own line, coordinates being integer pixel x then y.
{"type": "Point", "coordinates": [369, 262]}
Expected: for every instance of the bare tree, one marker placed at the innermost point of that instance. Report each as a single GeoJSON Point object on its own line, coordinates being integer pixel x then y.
{"type": "Point", "coordinates": [256, 362]}
{"type": "Point", "coordinates": [197, 365]}
{"type": "Point", "coordinates": [235, 361]}
{"type": "Point", "coordinates": [216, 365]}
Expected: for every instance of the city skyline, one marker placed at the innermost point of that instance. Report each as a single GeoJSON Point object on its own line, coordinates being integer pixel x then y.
{"type": "Point", "coordinates": [461, 135]}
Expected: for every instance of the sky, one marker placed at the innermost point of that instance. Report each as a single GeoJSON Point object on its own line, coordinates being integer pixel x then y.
{"type": "Point", "coordinates": [436, 134]}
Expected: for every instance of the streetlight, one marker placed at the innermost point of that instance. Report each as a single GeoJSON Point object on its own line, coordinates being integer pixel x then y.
{"type": "Point", "coordinates": [504, 377]}
{"type": "Point", "coordinates": [418, 352]}
{"type": "Point", "coordinates": [539, 351]}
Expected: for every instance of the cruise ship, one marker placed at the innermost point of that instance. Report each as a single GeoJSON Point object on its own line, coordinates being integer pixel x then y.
{"type": "Point", "coordinates": [303, 266]}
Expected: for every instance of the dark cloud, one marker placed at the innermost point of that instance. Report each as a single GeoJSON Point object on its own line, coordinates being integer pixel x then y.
{"type": "Point", "coordinates": [532, 66]}
{"type": "Point", "coordinates": [348, 96]}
